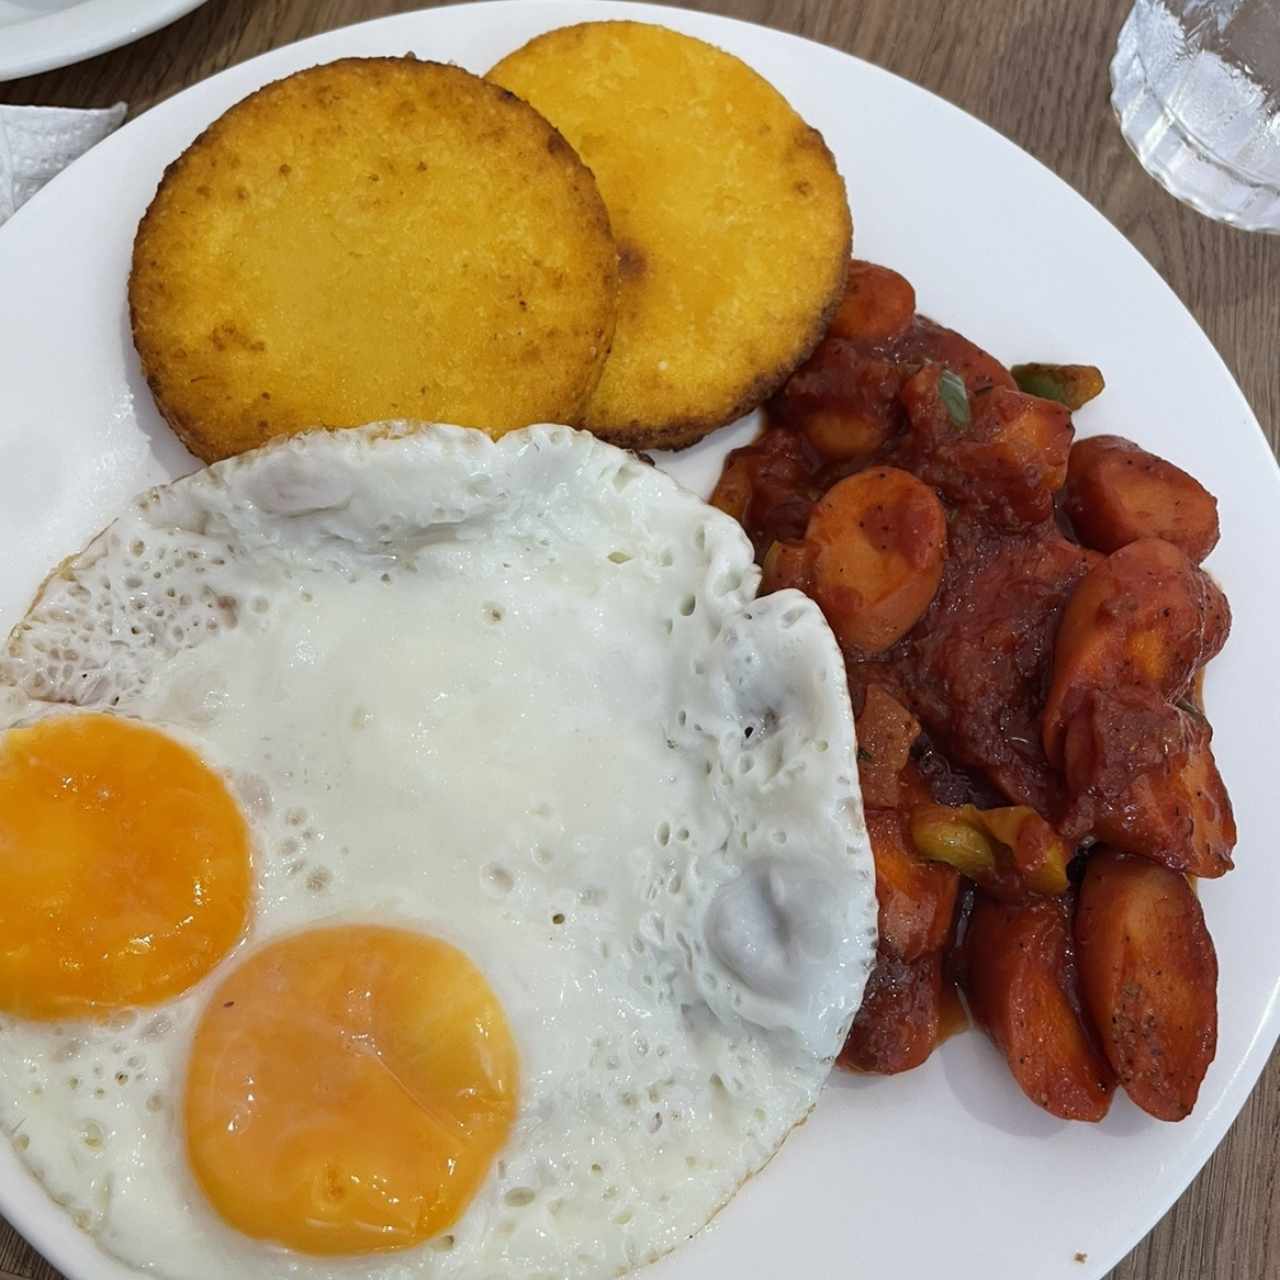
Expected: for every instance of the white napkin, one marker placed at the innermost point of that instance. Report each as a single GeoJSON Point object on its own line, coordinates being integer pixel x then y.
{"type": "Point", "coordinates": [36, 143]}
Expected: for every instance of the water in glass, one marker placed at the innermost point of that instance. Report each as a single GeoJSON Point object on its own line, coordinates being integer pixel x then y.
{"type": "Point", "coordinates": [1196, 87]}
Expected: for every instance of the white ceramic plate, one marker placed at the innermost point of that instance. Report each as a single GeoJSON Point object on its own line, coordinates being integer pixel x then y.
{"type": "Point", "coordinates": [948, 1170]}
{"type": "Point", "coordinates": [36, 35]}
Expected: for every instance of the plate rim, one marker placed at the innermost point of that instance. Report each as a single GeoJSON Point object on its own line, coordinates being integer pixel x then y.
{"type": "Point", "coordinates": [82, 31]}
{"type": "Point", "coordinates": [1237, 1090]}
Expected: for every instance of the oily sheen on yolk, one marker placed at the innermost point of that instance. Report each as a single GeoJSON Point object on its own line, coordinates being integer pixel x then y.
{"type": "Point", "coordinates": [348, 1089]}
{"type": "Point", "coordinates": [124, 867]}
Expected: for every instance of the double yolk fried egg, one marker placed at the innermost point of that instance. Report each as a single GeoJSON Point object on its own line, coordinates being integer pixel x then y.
{"type": "Point", "coordinates": [420, 846]}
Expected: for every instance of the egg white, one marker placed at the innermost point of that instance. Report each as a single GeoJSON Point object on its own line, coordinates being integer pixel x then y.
{"type": "Point", "coordinates": [518, 695]}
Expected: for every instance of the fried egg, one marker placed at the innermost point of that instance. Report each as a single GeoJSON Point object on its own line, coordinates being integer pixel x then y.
{"type": "Point", "coordinates": [500, 893]}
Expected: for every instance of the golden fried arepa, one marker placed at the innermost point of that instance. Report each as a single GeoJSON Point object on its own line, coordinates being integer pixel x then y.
{"type": "Point", "coordinates": [375, 238]}
{"type": "Point", "coordinates": [731, 220]}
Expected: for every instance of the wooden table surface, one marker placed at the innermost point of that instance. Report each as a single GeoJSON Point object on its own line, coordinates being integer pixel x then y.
{"type": "Point", "coordinates": [1037, 71]}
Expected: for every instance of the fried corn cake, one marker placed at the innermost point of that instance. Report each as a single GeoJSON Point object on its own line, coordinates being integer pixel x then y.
{"type": "Point", "coordinates": [731, 219]}
{"type": "Point", "coordinates": [372, 238]}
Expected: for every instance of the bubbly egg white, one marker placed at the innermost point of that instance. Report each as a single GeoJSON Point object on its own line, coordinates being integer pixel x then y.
{"type": "Point", "coordinates": [518, 695]}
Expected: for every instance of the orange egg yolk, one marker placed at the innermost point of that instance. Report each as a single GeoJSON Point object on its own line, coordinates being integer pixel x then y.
{"type": "Point", "coordinates": [124, 867]}
{"type": "Point", "coordinates": [348, 1090]}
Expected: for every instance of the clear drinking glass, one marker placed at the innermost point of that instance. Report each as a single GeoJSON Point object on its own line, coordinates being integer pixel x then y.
{"type": "Point", "coordinates": [1196, 87]}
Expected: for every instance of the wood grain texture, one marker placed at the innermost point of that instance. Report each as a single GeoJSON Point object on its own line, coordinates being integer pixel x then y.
{"type": "Point", "coordinates": [1037, 71]}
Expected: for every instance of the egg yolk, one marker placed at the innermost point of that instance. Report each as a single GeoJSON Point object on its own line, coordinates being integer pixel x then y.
{"type": "Point", "coordinates": [124, 867]}
{"type": "Point", "coordinates": [348, 1089]}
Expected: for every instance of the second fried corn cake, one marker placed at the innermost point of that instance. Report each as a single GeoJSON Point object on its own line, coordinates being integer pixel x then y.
{"type": "Point", "coordinates": [731, 219]}
{"type": "Point", "coordinates": [373, 238]}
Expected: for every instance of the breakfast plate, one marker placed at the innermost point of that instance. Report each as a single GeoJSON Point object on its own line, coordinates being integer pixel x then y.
{"type": "Point", "coordinates": [37, 35]}
{"type": "Point", "coordinates": [947, 1167]}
